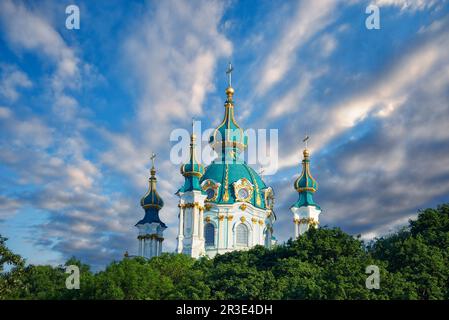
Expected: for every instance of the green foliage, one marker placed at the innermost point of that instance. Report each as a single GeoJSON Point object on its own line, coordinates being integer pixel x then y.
{"type": "Point", "coordinates": [321, 264]}
{"type": "Point", "coordinates": [420, 254]}
{"type": "Point", "coordinates": [11, 271]}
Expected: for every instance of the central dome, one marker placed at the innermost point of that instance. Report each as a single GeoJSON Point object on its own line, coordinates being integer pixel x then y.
{"type": "Point", "coordinates": [226, 174]}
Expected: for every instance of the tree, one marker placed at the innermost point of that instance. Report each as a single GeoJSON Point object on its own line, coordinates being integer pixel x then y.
{"type": "Point", "coordinates": [11, 272]}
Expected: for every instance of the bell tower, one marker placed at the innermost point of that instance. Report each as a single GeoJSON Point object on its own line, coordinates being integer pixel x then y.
{"type": "Point", "coordinates": [191, 207]}
{"type": "Point", "coordinates": [151, 228]}
{"type": "Point", "coordinates": [305, 210]}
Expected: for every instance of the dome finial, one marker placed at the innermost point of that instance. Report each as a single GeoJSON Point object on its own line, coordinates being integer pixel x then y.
{"type": "Point", "coordinates": [229, 90]}
{"type": "Point", "coordinates": [153, 170]}
{"type": "Point", "coordinates": [193, 136]}
{"type": "Point", "coordinates": [229, 73]}
{"type": "Point", "coordinates": [306, 151]}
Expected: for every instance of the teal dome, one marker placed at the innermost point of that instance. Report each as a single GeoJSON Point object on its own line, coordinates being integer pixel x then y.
{"type": "Point", "coordinates": [226, 174]}
{"type": "Point", "coordinates": [192, 171]}
{"type": "Point", "coordinates": [228, 133]}
{"type": "Point", "coordinates": [193, 167]}
{"type": "Point", "coordinates": [152, 199]}
{"type": "Point", "coordinates": [305, 182]}
{"type": "Point", "coordinates": [306, 185]}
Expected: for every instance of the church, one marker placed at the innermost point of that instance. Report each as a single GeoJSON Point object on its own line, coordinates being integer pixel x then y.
{"type": "Point", "coordinates": [225, 206]}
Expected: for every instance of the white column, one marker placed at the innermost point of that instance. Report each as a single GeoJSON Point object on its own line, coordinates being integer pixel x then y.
{"type": "Point", "coordinates": [230, 239]}
{"type": "Point", "coordinates": [201, 224]}
{"type": "Point", "coordinates": [146, 248]}
{"type": "Point", "coordinates": [160, 247]}
{"type": "Point", "coordinates": [181, 229]}
{"type": "Point", "coordinates": [154, 247]}
{"type": "Point", "coordinates": [151, 245]}
{"type": "Point", "coordinates": [296, 226]}
{"type": "Point", "coordinates": [194, 221]}
{"type": "Point", "coordinates": [139, 252]}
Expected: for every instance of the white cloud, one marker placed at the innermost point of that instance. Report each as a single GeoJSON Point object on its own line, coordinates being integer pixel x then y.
{"type": "Point", "coordinates": [11, 81]}
{"type": "Point", "coordinates": [415, 69]}
{"type": "Point", "coordinates": [310, 18]}
{"type": "Point", "coordinates": [8, 207]}
{"type": "Point", "coordinates": [412, 5]}
{"type": "Point", "coordinates": [28, 30]}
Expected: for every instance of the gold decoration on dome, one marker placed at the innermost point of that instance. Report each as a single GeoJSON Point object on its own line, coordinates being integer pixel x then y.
{"type": "Point", "coordinates": [243, 207]}
{"type": "Point", "coordinates": [242, 219]}
{"type": "Point", "coordinates": [256, 187]}
{"type": "Point", "coordinates": [226, 194]}
{"type": "Point", "coordinates": [211, 184]}
{"type": "Point", "coordinates": [243, 184]}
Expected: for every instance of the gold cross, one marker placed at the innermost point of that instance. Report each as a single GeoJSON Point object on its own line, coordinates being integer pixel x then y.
{"type": "Point", "coordinates": [229, 73]}
{"type": "Point", "coordinates": [153, 155]}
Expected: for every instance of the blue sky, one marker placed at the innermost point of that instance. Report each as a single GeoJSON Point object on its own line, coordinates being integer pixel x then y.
{"type": "Point", "coordinates": [82, 110]}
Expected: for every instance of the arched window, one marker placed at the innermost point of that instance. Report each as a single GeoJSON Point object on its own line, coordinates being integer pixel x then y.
{"type": "Point", "coordinates": [242, 235]}
{"type": "Point", "coordinates": [209, 234]}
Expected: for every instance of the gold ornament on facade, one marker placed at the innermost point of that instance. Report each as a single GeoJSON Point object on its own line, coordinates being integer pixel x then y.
{"type": "Point", "coordinates": [210, 184]}
{"type": "Point", "coordinates": [310, 221]}
{"type": "Point", "coordinates": [254, 220]}
{"type": "Point", "coordinates": [261, 222]}
{"type": "Point", "coordinates": [230, 217]}
{"type": "Point", "coordinates": [221, 217]}
{"type": "Point", "coordinates": [243, 207]}
{"type": "Point", "coordinates": [242, 219]}
{"type": "Point", "coordinates": [207, 219]}
{"type": "Point", "coordinates": [245, 185]}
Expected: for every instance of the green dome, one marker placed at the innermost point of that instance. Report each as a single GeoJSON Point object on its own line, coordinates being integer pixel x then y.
{"type": "Point", "coordinates": [228, 133]}
{"type": "Point", "coordinates": [192, 171]}
{"type": "Point", "coordinates": [306, 185]}
{"type": "Point", "coordinates": [227, 174]}
{"type": "Point", "coordinates": [306, 182]}
{"type": "Point", "coordinates": [193, 167]}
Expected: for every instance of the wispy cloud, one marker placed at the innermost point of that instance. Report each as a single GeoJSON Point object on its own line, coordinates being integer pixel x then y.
{"type": "Point", "coordinates": [310, 18]}
{"type": "Point", "coordinates": [11, 81]}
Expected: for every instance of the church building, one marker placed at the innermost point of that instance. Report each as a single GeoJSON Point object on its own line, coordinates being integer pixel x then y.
{"type": "Point", "coordinates": [225, 206]}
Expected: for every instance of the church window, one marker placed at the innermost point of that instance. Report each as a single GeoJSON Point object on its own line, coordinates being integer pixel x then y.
{"type": "Point", "coordinates": [209, 234]}
{"type": "Point", "coordinates": [242, 235]}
